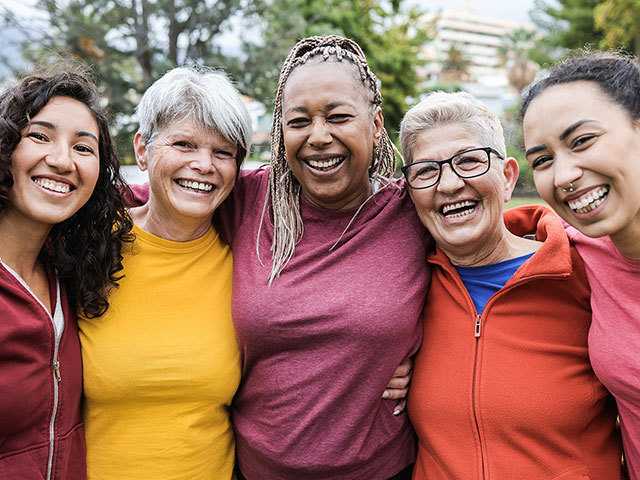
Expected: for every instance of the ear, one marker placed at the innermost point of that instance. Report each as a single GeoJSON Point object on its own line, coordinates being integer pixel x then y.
{"type": "Point", "coordinates": [141, 151]}
{"type": "Point", "coordinates": [511, 172]}
{"type": "Point", "coordinates": [378, 125]}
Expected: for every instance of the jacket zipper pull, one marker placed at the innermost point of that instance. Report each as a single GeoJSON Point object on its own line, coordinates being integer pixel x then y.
{"type": "Point", "coordinates": [478, 327]}
{"type": "Point", "coordinates": [56, 370]}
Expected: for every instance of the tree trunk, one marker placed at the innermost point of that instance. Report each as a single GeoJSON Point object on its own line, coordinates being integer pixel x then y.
{"type": "Point", "coordinates": [174, 32]}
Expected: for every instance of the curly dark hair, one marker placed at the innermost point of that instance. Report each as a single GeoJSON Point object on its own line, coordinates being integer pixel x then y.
{"type": "Point", "coordinates": [85, 250]}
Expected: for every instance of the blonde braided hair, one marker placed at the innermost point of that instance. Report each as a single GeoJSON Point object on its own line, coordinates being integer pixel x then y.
{"type": "Point", "coordinates": [284, 189]}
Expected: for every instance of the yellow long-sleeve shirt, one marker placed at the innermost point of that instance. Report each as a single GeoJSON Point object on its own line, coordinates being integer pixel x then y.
{"type": "Point", "coordinates": [162, 365]}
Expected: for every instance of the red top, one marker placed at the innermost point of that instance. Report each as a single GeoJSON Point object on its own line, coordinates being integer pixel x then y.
{"type": "Point", "coordinates": [510, 394]}
{"type": "Point", "coordinates": [27, 393]}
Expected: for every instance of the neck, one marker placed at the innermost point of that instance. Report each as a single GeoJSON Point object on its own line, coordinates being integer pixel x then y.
{"type": "Point", "coordinates": [21, 241]}
{"type": "Point", "coordinates": [505, 246]}
{"type": "Point", "coordinates": [344, 204]}
{"type": "Point", "coordinates": [627, 241]}
{"type": "Point", "coordinates": [170, 227]}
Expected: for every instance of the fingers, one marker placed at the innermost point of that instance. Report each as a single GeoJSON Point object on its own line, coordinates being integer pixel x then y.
{"type": "Point", "coordinates": [395, 393]}
{"type": "Point", "coordinates": [399, 382]}
{"type": "Point", "coordinates": [404, 368]}
{"type": "Point", "coordinates": [402, 405]}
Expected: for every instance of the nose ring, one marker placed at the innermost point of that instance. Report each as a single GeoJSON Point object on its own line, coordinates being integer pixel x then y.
{"type": "Point", "coordinates": [568, 188]}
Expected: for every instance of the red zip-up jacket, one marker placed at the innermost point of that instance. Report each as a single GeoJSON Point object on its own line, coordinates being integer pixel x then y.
{"type": "Point", "coordinates": [41, 432]}
{"type": "Point", "coordinates": [510, 394]}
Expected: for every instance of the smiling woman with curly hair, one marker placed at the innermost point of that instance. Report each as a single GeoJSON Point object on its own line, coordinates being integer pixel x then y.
{"type": "Point", "coordinates": [62, 226]}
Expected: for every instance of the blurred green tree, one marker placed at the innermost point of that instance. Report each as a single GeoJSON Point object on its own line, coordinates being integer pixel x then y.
{"type": "Point", "coordinates": [387, 31]}
{"type": "Point", "coordinates": [128, 43]}
{"type": "Point", "coordinates": [566, 25]}
{"type": "Point", "coordinates": [619, 20]}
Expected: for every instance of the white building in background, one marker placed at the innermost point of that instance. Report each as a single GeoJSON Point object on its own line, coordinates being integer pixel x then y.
{"type": "Point", "coordinates": [479, 38]}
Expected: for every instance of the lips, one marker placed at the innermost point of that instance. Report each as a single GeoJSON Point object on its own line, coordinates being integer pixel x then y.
{"type": "Point", "coordinates": [458, 209]}
{"type": "Point", "coordinates": [589, 200]}
{"type": "Point", "coordinates": [195, 185]}
{"type": "Point", "coordinates": [324, 163]}
{"type": "Point", "coordinates": [52, 185]}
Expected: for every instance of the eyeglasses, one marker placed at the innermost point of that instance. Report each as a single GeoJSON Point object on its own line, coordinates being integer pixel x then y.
{"type": "Point", "coordinates": [467, 164]}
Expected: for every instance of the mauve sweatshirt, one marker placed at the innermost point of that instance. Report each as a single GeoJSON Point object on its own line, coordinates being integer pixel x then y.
{"type": "Point", "coordinates": [320, 344]}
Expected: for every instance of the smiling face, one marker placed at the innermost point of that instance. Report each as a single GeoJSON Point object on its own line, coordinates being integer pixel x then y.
{"type": "Point", "coordinates": [55, 165]}
{"type": "Point", "coordinates": [575, 133]}
{"type": "Point", "coordinates": [191, 171]}
{"type": "Point", "coordinates": [463, 215]}
{"type": "Point", "coordinates": [329, 128]}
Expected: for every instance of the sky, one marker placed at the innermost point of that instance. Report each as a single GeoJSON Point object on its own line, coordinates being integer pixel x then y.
{"type": "Point", "coordinates": [516, 10]}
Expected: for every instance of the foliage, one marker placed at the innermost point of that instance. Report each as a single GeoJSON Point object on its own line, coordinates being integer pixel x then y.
{"type": "Point", "coordinates": [128, 43]}
{"type": "Point", "coordinates": [619, 20]}
{"type": "Point", "coordinates": [515, 143]}
{"type": "Point", "coordinates": [384, 30]}
{"type": "Point", "coordinates": [517, 55]}
{"type": "Point", "coordinates": [455, 68]}
{"type": "Point", "coordinates": [567, 25]}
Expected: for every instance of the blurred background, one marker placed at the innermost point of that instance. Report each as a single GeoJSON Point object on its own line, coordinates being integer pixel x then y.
{"type": "Point", "coordinates": [490, 48]}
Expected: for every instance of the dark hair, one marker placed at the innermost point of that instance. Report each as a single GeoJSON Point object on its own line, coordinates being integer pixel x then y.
{"type": "Point", "coordinates": [84, 250]}
{"type": "Point", "coordinates": [617, 75]}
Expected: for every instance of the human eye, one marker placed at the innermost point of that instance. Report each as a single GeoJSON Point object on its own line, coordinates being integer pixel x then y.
{"type": "Point", "coordinates": [39, 136]}
{"type": "Point", "coordinates": [226, 154]}
{"type": "Point", "coordinates": [84, 149]}
{"type": "Point", "coordinates": [425, 170]}
{"type": "Point", "coordinates": [582, 141]}
{"type": "Point", "coordinates": [471, 160]}
{"type": "Point", "coordinates": [298, 122]}
{"type": "Point", "coordinates": [183, 145]}
{"type": "Point", "coordinates": [339, 117]}
{"type": "Point", "coordinates": [541, 161]}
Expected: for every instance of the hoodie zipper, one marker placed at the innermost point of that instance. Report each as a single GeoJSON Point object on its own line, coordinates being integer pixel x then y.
{"type": "Point", "coordinates": [55, 364]}
{"type": "Point", "coordinates": [477, 333]}
{"type": "Point", "coordinates": [57, 378]}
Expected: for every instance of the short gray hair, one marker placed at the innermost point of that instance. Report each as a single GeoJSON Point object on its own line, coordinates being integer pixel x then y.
{"type": "Point", "coordinates": [443, 108]}
{"type": "Point", "coordinates": [199, 93]}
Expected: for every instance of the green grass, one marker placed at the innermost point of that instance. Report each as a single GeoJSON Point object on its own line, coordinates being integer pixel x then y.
{"type": "Point", "coordinates": [515, 201]}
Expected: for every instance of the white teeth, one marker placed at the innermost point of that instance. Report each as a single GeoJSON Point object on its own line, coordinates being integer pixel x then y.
{"type": "Point", "coordinates": [200, 186]}
{"type": "Point", "coordinates": [457, 205]}
{"type": "Point", "coordinates": [325, 164]}
{"type": "Point", "coordinates": [52, 185]}
{"type": "Point", "coordinates": [589, 201]}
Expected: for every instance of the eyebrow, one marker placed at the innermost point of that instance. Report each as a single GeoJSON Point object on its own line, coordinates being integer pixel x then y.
{"type": "Point", "coordinates": [51, 126]}
{"type": "Point", "coordinates": [328, 107]}
{"type": "Point", "coordinates": [563, 136]}
{"type": "Point", "coordinates": [459, 151]}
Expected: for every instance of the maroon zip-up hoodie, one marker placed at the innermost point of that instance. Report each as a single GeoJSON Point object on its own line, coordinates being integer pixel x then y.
{"type": "Point", "coordinates": [28, 384]}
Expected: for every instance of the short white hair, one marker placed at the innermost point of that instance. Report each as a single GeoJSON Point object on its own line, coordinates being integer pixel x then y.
{"type": "Point", "coordinates": [443, 108]}
{"type": "Point", "coordinates": [199, 93]}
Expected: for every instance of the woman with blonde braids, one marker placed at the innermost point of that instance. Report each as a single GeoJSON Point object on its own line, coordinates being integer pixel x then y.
{"type": "Point", "coordinates": [329, 280]}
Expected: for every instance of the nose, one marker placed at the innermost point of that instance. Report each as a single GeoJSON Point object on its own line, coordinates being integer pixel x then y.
{"type": "Point", "coordinates": [449, 181]}
{"type": "Point", "coordinates": [59, 158]}
{"type": "Point", "coordinates": [319, 136]}
{"type": "Point", "coordinates": [565, 170]}
{"type": "Point", "coordinates": [202, 161]}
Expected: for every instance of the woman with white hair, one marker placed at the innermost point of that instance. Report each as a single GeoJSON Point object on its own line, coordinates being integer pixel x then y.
{"type": "Point", "coordinates": [161, 367]}
{"type": "Point", "coordinates": [502, 385]}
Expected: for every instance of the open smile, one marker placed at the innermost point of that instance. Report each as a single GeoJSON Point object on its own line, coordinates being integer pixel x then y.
{"type": "Point", "coordinates": [588, 201]}
{"type": "Point", "coordinates": [195, 186]}
{"type": "Point", "coordinates": [54, 186]}
{"type": "Point", "coordinates": [458, 210]}
{"type": "Point", "coordinates": [324, 163]}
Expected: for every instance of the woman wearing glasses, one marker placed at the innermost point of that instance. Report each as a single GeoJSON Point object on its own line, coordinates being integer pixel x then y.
{"type": "Point", "coordinates": [502, 386]}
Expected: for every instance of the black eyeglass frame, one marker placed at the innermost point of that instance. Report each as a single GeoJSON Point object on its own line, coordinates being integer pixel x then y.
{"type": "Point", "coordinates": [440, 163]}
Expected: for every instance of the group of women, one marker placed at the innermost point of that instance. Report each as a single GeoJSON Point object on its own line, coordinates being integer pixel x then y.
{"type": "Point", "coordinates": [297, 371]}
